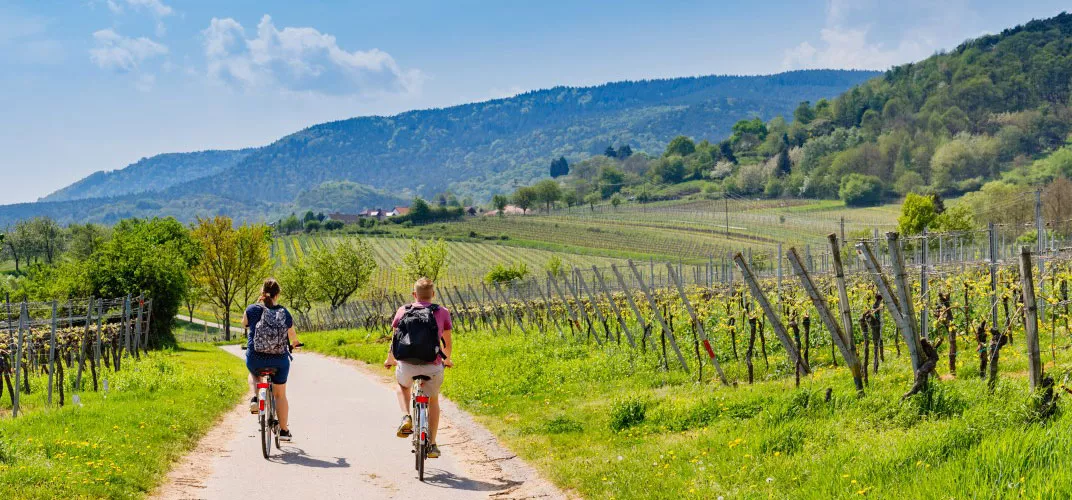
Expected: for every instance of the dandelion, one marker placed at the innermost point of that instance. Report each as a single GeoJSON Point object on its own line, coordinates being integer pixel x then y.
{"type": "Point", "coordinates": [777, 453]}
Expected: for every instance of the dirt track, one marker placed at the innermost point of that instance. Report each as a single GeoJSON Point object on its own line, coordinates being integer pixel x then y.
{"type": "Point", "coordinates": [343, 416]}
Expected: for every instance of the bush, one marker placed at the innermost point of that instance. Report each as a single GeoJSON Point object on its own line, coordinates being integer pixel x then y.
{"type": "Point", "coordinates": [333, 225]}
{"type": "Point", "coordinates": [627, 413]}
{"type": "Point", "coordinates": [859, 190]}
{"type": "Point", "coordinates": [502, 273]}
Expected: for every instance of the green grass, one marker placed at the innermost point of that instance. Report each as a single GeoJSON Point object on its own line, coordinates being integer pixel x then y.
{"type": "Point", "coordinates": [608, 423]}
{"type": "Point", "coordinates": [121, 445]}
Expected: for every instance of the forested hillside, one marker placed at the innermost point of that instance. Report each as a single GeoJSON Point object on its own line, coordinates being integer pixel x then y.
{"type": "Point", "coordinates": [990, 118]}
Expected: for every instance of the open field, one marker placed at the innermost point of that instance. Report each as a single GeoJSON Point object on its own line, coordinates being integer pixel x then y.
{"type": "Point", "coordinates": [120, 443]}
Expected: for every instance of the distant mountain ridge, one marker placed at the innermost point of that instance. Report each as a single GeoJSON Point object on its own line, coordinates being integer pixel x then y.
{"type": "Point", "coordinates": [150, 174]}
{"type": "Point", "coordinates": [476, 149]}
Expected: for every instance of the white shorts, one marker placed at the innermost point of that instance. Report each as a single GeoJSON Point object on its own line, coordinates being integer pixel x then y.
{"type": "Point", "coordinates": [406, 371]}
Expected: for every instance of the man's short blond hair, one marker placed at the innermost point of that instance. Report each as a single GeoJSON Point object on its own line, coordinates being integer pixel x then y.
{"type": "Point", "coordinates": [424, 289]}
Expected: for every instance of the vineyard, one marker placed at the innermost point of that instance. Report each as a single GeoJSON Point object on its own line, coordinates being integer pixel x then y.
{"type": "Point", "coordinates": [62, 349]}
{"type": "Point", "coordinates": [823, 384]}
{"type": "Point", "coordinates": [468, 262]}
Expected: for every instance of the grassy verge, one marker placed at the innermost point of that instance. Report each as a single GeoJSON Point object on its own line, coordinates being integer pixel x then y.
{"type": "Point", "coordinates": [119, 444]}
{"type": "Point", "coordinates": [608, 423]}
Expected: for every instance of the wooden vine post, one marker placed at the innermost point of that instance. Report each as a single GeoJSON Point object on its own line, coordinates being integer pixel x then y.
{"type": "Point", "coordinates": [510, 308]}
{"type": "Point", "coordinates": [592, 299]}
{"type": "Point", "coordinates": [547, 307]}
{"type": "Point", "coordinates": [613, 305]}
{"type": "Point", "coordinates": [843, 293]}
{"type": "Point", "coordinates": [843, 342]}
{"type": "Point", "coordinates": [863, 251]}
{"type": "Point", "coordinates": [18, 361]}
{"type": "Point", "coordinates": [565, 302]}
{"type": "Point", "coordinates": [1030, 319]}
{"type": "Point", "coordinates": [52, 352]}
{"type": "Point", "coordinates": [772, 315]}
{"type": "Point", "coordinates": [632, 303]}
{"type": "Point", "coordinates": [699, 325]}
{"type": "Point", "coordinates": [658, 315]}
{"type": "Point", "coordinates": [581, 307]}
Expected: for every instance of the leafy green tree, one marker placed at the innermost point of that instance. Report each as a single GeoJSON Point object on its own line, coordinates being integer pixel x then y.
{"type": "Point", "coordinates": [783, 166]}
{"type": "Point", "coordinates": [611, 180]}
{"type": "Point", "coordinates": [291, 224]}
{"type": "Point", "coordinates": [571, 198]}
{"type": "Point", "coordinates": [554, 265]}
{"type": "Point", "coordinates": [616, 200]}
{"type": "Point", "coordinates": [295, 280]}
{"type": "Point", "coordinates": [234, 261]}
{"type": "Point", "coordinates": [559, 167]}
{"type": "Point", "coordinates": [669, 170]}
{"type": "Point", "coordinates": [499, 202]}
{"type": "Point", "coordinates": [957, 218]}
{"type": "Point", "coordinates": [624, 151]}
{"type": "Point", "coordinates": [425, 259]}
{"type": "Point", "coordinates": [524, 198]}
{"type": "Point", "coordinates": [419, 210]}
{"type": "Point", "coordinates": [19, 244]}
{"type": "Point", "coordinates": [610, 152]}
{"type": "Point", "coordinates": [917, 214]}
{"type": "Point", "coordinates": [152, 257]}
{"type": "Point", "coordinates": [337, 273]}
{"type": "Point", "coordinates": [680, 146]}
{"type": "Point", "coordinates": [858, 190]}
{"type": "Point", "coordinates": [48, 237]}
{"type": "Point", "coordinates": [592, 199]}
{"type": "Point", "coordinates": [85, 240]}
{"type": "Point", "coordinates": [312, 226]}
{"type": "Point", "coordinates": [547, 192]}
{"type": "Point", "coordinates": [309, 216]}
{"type": "Point", "coordinates": [333, 225]}
{"type": "Point", "coordinates": [804, 114]}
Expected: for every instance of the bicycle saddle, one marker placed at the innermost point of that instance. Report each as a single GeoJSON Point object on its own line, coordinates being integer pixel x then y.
{"type": "Point", "coordinates": [422, 377]}
{"type": "Point", "coordinates": [267, 371]}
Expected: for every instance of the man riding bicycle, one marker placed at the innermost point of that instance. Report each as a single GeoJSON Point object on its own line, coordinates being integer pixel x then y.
{"type": "Point", "coordinates": [423, 344]}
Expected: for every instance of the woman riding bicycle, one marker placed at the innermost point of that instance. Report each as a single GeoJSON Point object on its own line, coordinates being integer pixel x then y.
{"type": "Point", "coordinates": [277, 329]}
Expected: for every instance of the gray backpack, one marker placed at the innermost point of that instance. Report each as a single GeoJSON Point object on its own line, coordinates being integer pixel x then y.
{"type": "Point", "coordinates": [270, 334]}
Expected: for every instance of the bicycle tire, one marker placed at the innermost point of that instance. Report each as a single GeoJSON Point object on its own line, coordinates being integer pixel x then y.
{"type": "Point", "coordinates": [421, 451]}
{"type": "Point", "coordinates": [266, 425]}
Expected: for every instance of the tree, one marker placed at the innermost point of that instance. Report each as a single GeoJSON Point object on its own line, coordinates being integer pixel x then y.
{"type": "Point", "coordinates": [610, 152]}
{"type": "Point", "coordinates": [499, 202]}
{"type": "Point", "coordinates": [291, 224]}
{"type": "Point", "coordinates": [147, 256]}
{"type": "Point", "coordinates": [309, 216]}
{"type": "Point", "coordinates": [312, 226]}
{"type": "Point", "coordinates": [570, 198]}
{"type": "Point", "coordinates": [338, 272]}
{"type": "Point", "coordinates": [783, 166]}
{"type": "Point", "coordinates": [501, 273]}
{"type": "Point", "coordinates": [616, 200]}
{"type": "Point", "coordinates": [231, 260]}
{"type": "Point", "coordinates": [48, 238]}
{"type": "Point", "coordinates": [547, 192]}
{"type": "Point", "coordinates": [524, 197]}
{"type": "Point", "coordinates": [296, 282]}
{"type": "Point", "coordinates": [669, 170]}
{"type": "Point", "coordinates": [192, 298]}
{"type": "Point", "coordinates": [804, 114]}
{"type": "Point", "coordinates": [610, 180]}
{"type": "Point", "coordinates": [18, 243]}
{"type": "Point", "coordinates": [333, 225]}
{"type": "Point", "coordinates": [85, 240]}
{"type": "Point", "coordinates": [858, 190]}
{"type": "Point", "coordinates": [917, 214]}
{"type": "Point", "coordinates": [425, 260]}
{"type": "Point", "coordinates": [559, 167]}
{"type": "Point", "coordinates": [680, 146]}
{"type": "Point", "coordinates": [592, 199]}
{"type": "Point", "coordinates": [624, 151]}
{"type": "Point", "coordinates": [419, 210]}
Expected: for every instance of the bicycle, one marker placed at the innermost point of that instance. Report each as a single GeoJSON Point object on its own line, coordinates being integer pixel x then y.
{"type": "Point", "coordinates": [266, 415]}
{"type": "Point", "coordinates": [419, 403]}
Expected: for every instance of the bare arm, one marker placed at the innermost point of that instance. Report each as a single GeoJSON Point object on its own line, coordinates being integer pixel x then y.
{"type": "Point", "coordinates": [245, 321]}
{"type": "Point", "coordinates": [448, 347]}
{"type": "Point", "coordinates": [293, 336]}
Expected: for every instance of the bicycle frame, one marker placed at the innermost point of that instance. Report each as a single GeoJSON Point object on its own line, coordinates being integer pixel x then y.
{"type": "Point", "coordinates": [419, 402]}
{"type": "Point", "coordinates": [267, 416]}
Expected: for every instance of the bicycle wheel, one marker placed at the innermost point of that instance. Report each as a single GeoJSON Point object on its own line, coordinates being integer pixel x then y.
{"type": "Point", "coordinates": [421, 451]}
{"type": "Point", "coordinates": [266, 424]}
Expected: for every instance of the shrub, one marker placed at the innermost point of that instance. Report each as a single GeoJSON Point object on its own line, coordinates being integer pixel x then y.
{"type": "Point", "coordinates": [859, 190]}
{"type": "Point", "coordinates": [627, 413]}
{"type": "Point", "coordinates": [502, 273]}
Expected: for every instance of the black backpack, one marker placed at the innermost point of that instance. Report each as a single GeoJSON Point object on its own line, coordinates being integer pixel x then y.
{"type": "Point", "coordinates": [416, 340]}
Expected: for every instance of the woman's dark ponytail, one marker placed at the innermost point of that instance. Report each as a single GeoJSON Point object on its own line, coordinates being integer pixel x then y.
{"type": "Point", "coordinates": [270, 292]}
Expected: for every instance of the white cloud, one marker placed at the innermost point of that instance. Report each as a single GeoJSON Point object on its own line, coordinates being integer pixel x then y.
{"type": "Point", "coordinates": [116, 52]}
{"type": "Point", "coordinates": [914, 29]}
{"type": "Point", "coordinates": [299, 59]}
{"type": "Point", "coordinates": [156, 8]}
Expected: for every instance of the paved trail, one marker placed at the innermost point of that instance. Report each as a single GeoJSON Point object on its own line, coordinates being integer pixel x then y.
{"type": "Point", "coordinates": [343, 418]}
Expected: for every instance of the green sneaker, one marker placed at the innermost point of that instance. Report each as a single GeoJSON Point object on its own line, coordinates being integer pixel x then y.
{"type": "Point", "coordinates": [433, 451]}
{"type": "Point", "coordinates": [406, 427]}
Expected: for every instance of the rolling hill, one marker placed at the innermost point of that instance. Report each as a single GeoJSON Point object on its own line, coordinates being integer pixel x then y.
{"type": "Point", "coordinates": [473, 149]}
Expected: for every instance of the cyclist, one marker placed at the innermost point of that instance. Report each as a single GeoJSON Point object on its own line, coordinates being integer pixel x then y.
{"type": "Point", "coordinates": [421, 319]}
{"type": "Point", "coordinates": [275, 326]}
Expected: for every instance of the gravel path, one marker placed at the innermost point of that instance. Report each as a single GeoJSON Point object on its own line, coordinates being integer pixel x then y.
{"type": "Point", "coordinates": [343, 417]}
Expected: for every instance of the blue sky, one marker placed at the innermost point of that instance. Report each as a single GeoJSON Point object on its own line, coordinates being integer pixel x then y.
{"type": "Point", "coordinates": [93, 85]}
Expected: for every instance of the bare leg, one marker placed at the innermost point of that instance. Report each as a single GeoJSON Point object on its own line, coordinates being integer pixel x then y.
{"type": "Point", "coordinates": [282, 406]}
{"type": "Point", "coordinates": [403, 398]}
{"type": "Point", "coordinates": [433, 418]}
{"type": "Point", "coordinates": [253, 384]}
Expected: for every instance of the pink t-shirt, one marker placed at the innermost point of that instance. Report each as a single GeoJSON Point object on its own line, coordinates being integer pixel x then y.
{"type": "Point", "coordinates": [442, 317]}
